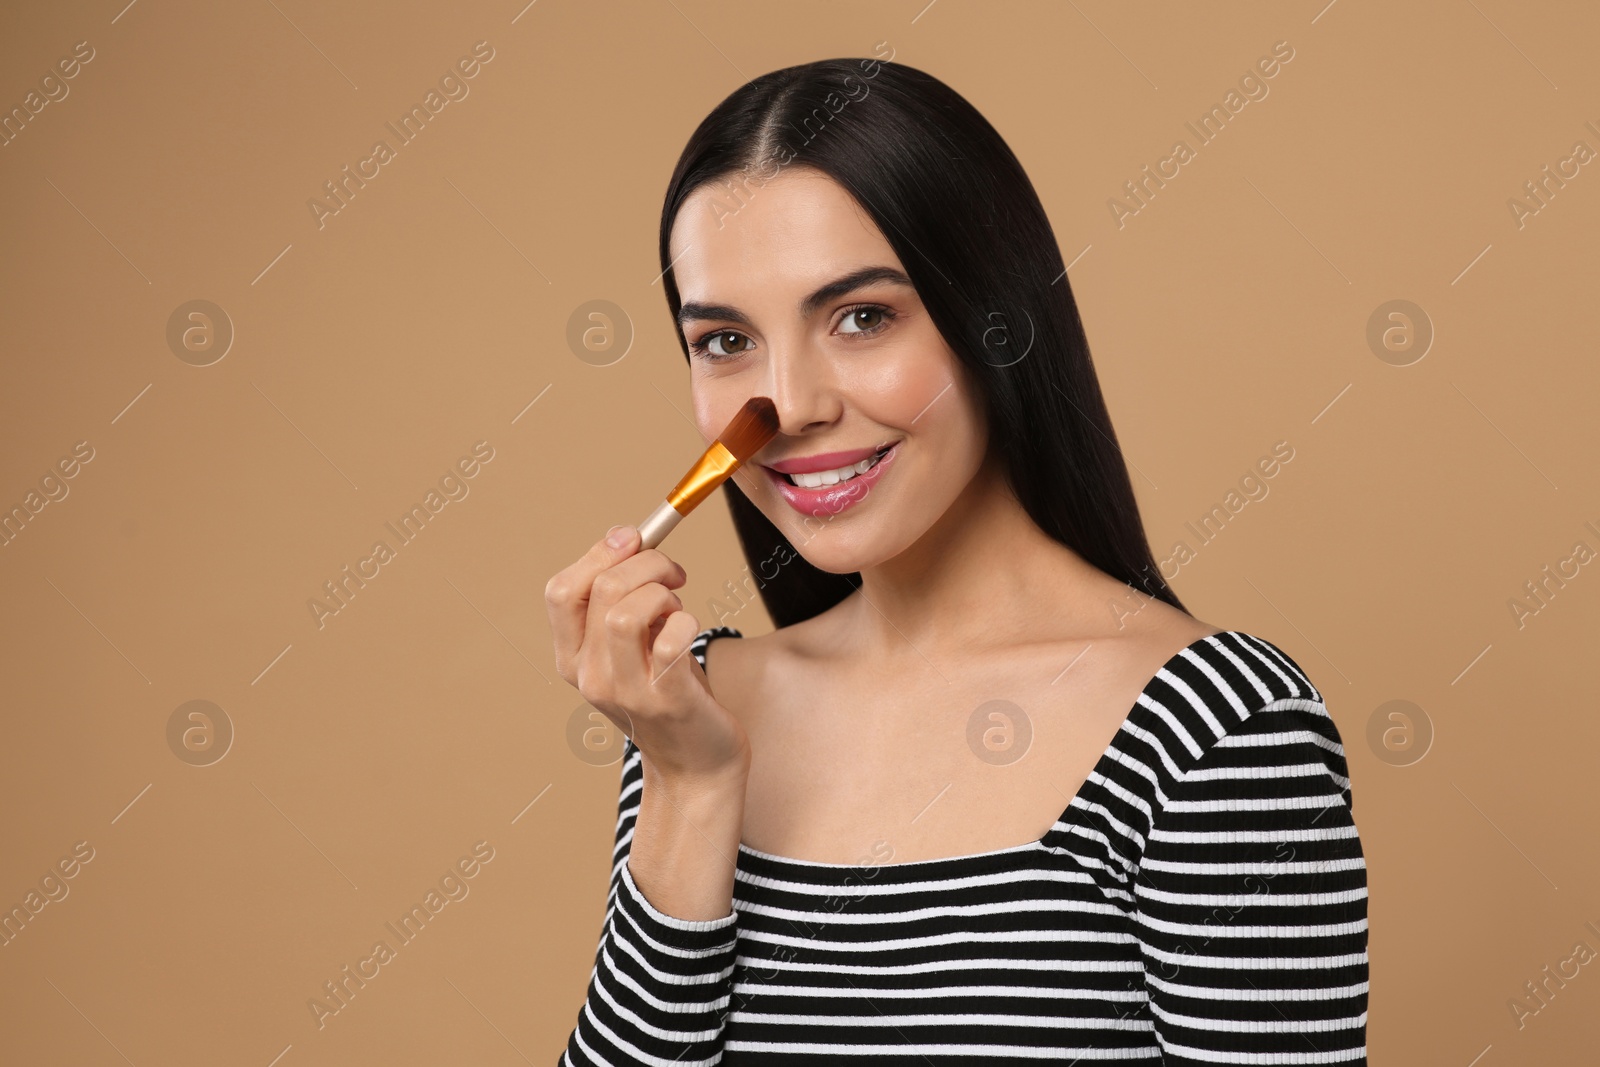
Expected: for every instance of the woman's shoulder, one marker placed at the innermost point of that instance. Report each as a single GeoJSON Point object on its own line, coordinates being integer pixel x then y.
{"type": "Point", "coordinates": [740, 668]}
{"type": "Point", "coordinates": [1231, 696]}
{"type": "Point", "coordinates": [796, 638]}
{"type": "Point", "coordinates": [1220, 688]}
{"type": "Point", "coordinates": [734, 650]}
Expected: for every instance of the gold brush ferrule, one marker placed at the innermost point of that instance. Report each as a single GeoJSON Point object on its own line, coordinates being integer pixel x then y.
{"type": "Point", "coordinates": [710, 471]}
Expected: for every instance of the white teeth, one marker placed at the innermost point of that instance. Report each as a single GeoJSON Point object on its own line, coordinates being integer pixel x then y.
{"type": "Point", "coordinates": [818, 479]}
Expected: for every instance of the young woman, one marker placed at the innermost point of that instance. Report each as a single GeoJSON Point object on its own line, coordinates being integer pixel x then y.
{"type": "Point", "coordinates": [988, 793]}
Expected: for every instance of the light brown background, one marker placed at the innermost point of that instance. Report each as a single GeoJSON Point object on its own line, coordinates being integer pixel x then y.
{"type": "Point", "coordinates": [427, 315]}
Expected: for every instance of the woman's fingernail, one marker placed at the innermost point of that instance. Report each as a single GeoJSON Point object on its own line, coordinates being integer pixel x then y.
{"type": "Point", "coordinates": [617, 536]}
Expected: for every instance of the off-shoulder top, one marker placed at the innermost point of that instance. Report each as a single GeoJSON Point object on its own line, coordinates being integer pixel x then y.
{"type": "Point", "coordinates": [1201, 900]}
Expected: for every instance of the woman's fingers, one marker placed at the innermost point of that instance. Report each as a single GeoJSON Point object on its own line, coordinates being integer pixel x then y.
{"type": "Point", "coordinates": [566, 598]}
{"type": "Point", "coordinates": [621, 634]}
{"type": "Point", "coordinates": [625, 634]}
{"type": "Point", "coordinates": [671, 645]}
{"type": "Point", "coordinates": [618, 581]}
{"type": "Point", "coordinates": [568, 593]}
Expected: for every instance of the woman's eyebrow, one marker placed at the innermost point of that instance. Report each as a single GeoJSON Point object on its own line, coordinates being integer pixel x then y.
{"type": "Point", "coordinates": [848, 283]}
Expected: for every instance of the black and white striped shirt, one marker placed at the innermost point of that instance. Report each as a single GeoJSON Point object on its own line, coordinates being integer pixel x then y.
{"type": "Point", "coordinates": [1202, 900]}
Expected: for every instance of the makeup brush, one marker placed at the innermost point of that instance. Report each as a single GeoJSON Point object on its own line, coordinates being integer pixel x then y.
{"type": "Point", "coordinates": [748, 433]}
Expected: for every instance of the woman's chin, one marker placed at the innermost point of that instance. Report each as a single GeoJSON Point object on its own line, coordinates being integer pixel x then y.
{"type": "Point", "coordinates": [834, 551]}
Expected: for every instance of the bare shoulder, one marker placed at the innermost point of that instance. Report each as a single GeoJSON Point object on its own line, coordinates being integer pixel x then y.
{"type": "Point", "coordinates": [1175, 630]}
{"type": "Point", "coordinates": [1110, 660]}
{"type": "Point", "coordinates": [741, 669]}
{"type": "Point", "coordinates": [1163, 632]}
{"type": "Point", "coordinates": [801, 640]}
{"type": "Point", "coordinates": [734, 665]}
{"type": "Point", "coordinates": [765, 679]}
{"type": "Point", "coordinates": [743, 665]}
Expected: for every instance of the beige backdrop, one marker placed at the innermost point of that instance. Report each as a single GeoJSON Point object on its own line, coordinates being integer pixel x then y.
{"type": "Point", "coordinates": [233, 456]}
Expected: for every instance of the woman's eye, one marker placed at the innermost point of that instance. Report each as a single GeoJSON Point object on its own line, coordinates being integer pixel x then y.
{"type": "Point", "coordinates": [863, 320]}
{"type": "Point", "coordinates": [710, 343]}
{"type": "Point", "coordinates": [729, 344]}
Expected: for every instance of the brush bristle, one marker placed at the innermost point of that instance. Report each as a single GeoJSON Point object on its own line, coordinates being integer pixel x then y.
{"type": "Point", "coordinates": [751, 429]}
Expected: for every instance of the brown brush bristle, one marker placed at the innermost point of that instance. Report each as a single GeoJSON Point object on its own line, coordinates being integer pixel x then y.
{"type": "Point", "coordinates": [751, 429]}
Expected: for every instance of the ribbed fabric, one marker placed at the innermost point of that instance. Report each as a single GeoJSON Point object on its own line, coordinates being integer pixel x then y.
{"type": "Point", "coordinates": [1201, 900]}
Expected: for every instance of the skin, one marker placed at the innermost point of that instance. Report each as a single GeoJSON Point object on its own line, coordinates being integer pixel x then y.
{"type": "Point", "coordinates": [857, 718]}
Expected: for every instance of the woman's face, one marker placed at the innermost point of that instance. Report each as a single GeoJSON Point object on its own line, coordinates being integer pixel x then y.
{"type": "Point", "coordinates": [796, 296]}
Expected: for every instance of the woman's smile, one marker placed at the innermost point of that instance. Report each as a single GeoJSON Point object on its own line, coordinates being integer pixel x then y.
{"type": "Point", "coordinates": [813, 491]}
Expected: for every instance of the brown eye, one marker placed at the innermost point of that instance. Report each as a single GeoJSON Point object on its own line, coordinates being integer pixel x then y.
{"type": "Point", "coordinates": [863, 320]}
{"type": "Point", "coordinates": [730, 343]}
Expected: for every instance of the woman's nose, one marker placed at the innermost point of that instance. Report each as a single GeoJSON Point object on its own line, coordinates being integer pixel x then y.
{"type": "Point", "coordinates": [802, 389]}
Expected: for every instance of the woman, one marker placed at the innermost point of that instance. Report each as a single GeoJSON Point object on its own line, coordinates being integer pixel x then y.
{"type": "Point", "coordinates": [988, 793]}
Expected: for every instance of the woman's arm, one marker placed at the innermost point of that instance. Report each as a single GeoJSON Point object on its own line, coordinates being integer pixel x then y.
{"type": "Point", "coordinates": [663, 972]}
{"type": "Point", "coordinates": [1251, 899]}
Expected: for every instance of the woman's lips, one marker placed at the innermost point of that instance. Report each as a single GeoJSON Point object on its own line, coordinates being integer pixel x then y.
{"type": "Point", "coordinates": [832, 499]}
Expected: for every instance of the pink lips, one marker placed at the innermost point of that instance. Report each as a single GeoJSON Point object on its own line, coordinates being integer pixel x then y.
{"type": "Point", "coordinates": [829, 499]}
{"type": "Point", "coordinates": [823, 461]}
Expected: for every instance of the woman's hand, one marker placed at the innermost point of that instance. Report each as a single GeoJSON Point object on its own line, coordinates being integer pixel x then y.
{"type": "Point", "coordinates": [622, 638]}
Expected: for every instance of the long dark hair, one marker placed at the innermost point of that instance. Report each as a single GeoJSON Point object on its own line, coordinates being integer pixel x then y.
{"type": "Point", "coordinates": [957, 208]}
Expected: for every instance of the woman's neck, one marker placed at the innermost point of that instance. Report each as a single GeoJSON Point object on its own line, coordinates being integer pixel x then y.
{"type": "Point", "coordinates": [984, 573]}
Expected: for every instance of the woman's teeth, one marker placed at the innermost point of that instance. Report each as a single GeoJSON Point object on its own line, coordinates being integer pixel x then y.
{"type": "Point", "coordinates": [818, 479]}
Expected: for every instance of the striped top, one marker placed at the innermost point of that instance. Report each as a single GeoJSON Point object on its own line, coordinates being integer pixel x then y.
{"type": "Point", "coordinates": [1202, 900]}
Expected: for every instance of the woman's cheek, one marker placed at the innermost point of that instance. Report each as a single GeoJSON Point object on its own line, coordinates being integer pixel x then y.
{"type": "Point", "coordinates": [714, 407]}
{"type": "Point", "coordinates": [896, 393]}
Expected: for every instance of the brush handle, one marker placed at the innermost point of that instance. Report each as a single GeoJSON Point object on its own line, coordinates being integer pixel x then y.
{"type": "Point", "coordinates": [653, 531]}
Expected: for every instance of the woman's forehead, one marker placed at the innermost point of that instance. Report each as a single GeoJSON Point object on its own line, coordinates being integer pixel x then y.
{"type": "Point", "coordinates": [796, 229]}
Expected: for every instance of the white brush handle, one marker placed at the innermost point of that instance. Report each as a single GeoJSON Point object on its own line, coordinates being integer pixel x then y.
{"type": "Point", "coordinates": [653, 531]}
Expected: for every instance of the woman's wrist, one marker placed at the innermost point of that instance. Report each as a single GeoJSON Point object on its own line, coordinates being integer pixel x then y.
{"type": "Point", "coordinates": [686, 841]}
{"type": "Point", "coordinates": [716, 795]}
{"type": "Point", "coordinates": [725, 780]}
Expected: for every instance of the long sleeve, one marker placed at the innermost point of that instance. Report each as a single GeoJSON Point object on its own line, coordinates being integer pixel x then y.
{"type": "Point", "coordinates": [660, 987]}
{"type": "Point", "coordinates": [1251, 898]}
